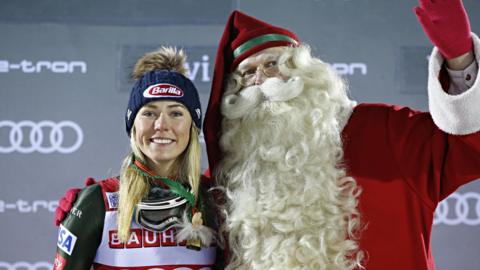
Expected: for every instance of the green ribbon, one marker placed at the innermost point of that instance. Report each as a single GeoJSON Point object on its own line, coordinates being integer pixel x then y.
{"type": "Point", "coordinates": [259, 40]}
{"type": "Point", "coordinates": [178, 189]}
{"type": "Point", "coordinates": [174, 187]}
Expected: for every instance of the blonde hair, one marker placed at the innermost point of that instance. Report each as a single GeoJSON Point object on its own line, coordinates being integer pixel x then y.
{"type": "Point", "coordinates": [168, 58]}
{"type": "Point", "coordinates": [134, 185]}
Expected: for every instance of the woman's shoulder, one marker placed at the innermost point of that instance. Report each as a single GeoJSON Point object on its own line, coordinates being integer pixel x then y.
{"type": "Point", "coordinates": [98, 191]}
{"type": "Point", "coordinates": [102, 192]}
{"type": "Point", "coordinates": [110, 184]}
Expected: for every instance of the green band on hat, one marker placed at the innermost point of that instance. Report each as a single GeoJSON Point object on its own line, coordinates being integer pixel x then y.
{"type": "Point", "coordinates": [260, 40]}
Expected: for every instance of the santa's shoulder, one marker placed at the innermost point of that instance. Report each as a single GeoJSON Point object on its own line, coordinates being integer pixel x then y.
{"type": "Point", "coordinates": [371, 116]}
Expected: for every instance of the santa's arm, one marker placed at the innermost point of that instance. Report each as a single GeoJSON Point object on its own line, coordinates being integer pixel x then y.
{"type": "Point", "coordinates": [446, 23]}
{"type": "Point", "coordinates": [436, 158]}
{"type": "Point", "coordinates": [432, 161]}
{"type": "Point", "coordinates": [457, 111]}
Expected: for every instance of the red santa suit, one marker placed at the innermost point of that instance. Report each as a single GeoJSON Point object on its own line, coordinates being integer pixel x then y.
{"type": "Point", "coordinates": [405, 161]}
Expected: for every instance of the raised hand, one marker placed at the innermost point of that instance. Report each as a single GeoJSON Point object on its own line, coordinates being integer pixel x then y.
{"type": "Point", "coordinates": [447, 25]}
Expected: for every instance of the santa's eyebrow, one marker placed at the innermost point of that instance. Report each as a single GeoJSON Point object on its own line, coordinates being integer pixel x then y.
{"type": "Point", "coordinates": [263, 57]}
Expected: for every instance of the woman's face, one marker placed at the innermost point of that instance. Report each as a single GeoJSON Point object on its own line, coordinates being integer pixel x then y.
{"type": "Point", "coordinates": [162, 132]}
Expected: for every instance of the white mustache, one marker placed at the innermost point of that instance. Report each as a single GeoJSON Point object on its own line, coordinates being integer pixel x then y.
{"type": "Point", "coordinates": [235, 105]}
{"type": "Point", "coordinates": [273, 89]}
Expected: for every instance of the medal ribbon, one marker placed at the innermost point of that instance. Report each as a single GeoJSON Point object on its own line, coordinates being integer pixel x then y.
{"type": "Point", "coordinates": [173, 186]}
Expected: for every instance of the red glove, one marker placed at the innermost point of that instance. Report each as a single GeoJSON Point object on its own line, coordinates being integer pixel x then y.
{"type": "Point", "coordinates": [446, 24]}
{"type": "Point", "coordinates": [67, 201]}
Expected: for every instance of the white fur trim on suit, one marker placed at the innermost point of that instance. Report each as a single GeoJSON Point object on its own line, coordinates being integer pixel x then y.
{"type": "Point", "coordinates": [454, 114]}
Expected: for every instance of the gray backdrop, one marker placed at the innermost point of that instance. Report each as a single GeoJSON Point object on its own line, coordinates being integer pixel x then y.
{"type": "Point", "coordinates": [64, 85]}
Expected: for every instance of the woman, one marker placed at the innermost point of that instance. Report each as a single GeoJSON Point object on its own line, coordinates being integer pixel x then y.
{"type": "Point", "coordinates": [150, 216]}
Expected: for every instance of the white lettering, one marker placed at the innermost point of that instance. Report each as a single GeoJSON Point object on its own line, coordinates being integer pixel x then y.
{"type": "Point", "coordinates": [192, 73]}
{"type": "Point", "coordinates": [170, 90]}
{"type": "Point", "coordinates": [141, 238]}
{"type": "Point", "coordinates": [168, 236]}
{"type": "Point", "coordinates": [39, 203]}
{"type": "Point", "coordinates": [44, 65]}
{"type": "Point", "coordinates": [23, 206]}
{"type": "Point", "coordinates": [194, 68]}
{"type": "Point", "coordinates": [60, 67]}
{"type": "Point", "coordinates": [148, 235]}
{"type": "Point", "coordinates": [134, 239]}
{"type": "Point", "coordinates": [41, 64]}
{"type": "Point", "coordinates": [3, 66]}
{"type": "Point", "coordinates": [81, 65]}
{"type": "Point", "coordinates": [350, 68]}
{"type": "Point", "coordinates": [76, 212]}
{"type": "Point", "coordinates": [114, 240]}
{"type": "Point", "coordinates": [340, 68]}
{"type": "Point", "coordinates": [52, 205]}
{"type": "Point", "coordinates": [27, 66]}
{"type": "Point", "coordinates": [205, 65]}
{"type": "Point", "coordinates": [360, 66]}
{"type": "Point", "coordinates": [25, 265]}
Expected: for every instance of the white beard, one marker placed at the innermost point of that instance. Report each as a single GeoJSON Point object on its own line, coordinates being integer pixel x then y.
{"type": "Point", "coordinates": [289, 204]}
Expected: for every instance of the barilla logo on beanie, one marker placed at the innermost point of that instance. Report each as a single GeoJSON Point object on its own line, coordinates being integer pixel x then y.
{"type": "Point", "coordinates": [163, 85]}
{"type": "Point", "coordinates": [162, 90]}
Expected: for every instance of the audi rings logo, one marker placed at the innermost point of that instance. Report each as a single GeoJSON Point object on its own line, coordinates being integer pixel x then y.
{"type": "Point", "coordinates": [26, 266]}
{"type": "Point", "coordinates": [459, 209]}
{"type": "Point", "coordinates": [45, 137]}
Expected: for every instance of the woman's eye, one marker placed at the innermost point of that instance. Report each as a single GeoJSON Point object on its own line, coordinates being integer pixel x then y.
{"type": "Point", "coordinates": [148, 114]}
{"type": "Point", "coordinates": [176, 113]}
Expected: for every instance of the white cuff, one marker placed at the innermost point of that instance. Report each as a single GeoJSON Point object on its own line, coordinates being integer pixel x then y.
{"type": "Point", "coordinates": [454, 114]}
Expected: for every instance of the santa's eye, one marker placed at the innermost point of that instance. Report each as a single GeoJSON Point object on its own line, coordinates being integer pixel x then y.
{"type": "Point", "coordinates": [249, 72]}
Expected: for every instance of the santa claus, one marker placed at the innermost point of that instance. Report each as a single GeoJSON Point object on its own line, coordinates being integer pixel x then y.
{"type": "Point", "coordinates": [314, 181]}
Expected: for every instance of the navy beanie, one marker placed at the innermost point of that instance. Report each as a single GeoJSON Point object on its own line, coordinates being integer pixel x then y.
{"type": "Point", "coordinates": [163, 85]}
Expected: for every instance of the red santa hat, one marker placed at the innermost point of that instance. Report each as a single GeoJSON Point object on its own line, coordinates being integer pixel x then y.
{"type": "Point", "coordinates": [242, 37]}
